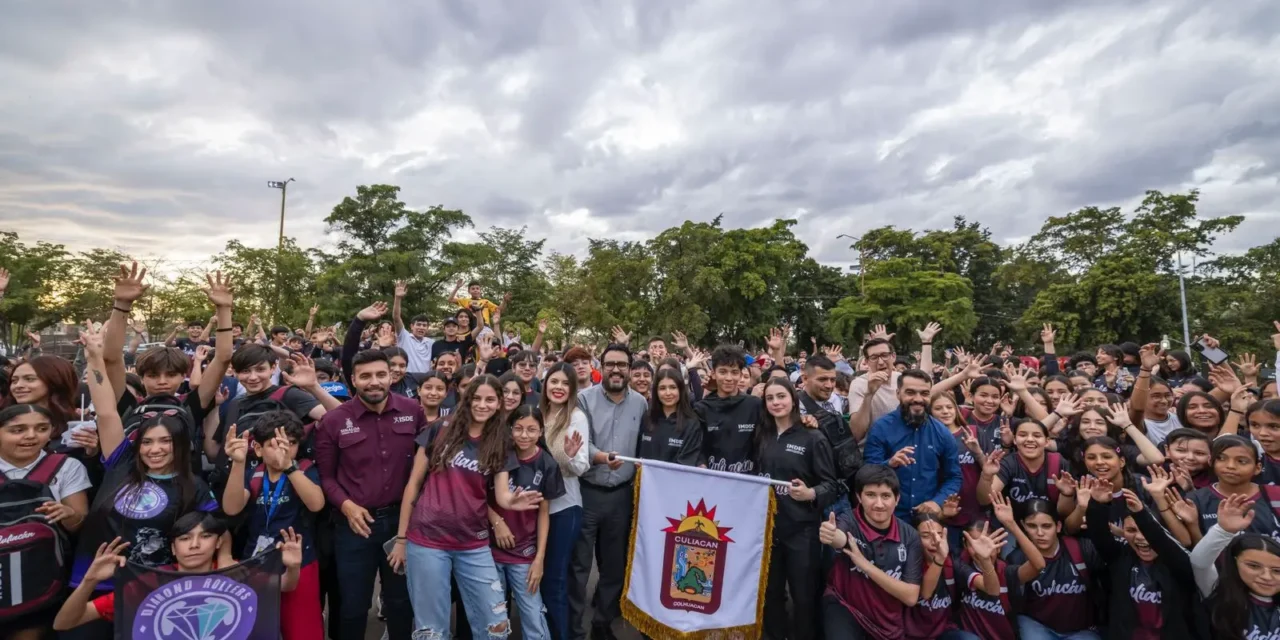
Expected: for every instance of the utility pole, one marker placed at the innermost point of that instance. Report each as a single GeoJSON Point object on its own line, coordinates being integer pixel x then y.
{"type": "Point", "coordinates": [1182, 291]}
{"type": "Point", "coordinates": [283, 186]}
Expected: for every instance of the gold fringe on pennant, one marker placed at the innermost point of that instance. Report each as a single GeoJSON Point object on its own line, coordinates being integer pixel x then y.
{"type": "Point", "coordinates": [650, 627]}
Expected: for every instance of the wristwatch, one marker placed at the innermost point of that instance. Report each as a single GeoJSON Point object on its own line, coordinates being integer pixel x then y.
{"type": "Point", "coordinates": [291, 469]}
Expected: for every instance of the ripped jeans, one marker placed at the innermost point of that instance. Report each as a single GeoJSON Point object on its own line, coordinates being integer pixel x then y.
{"type": "Point", "coordinates": [533, 620]}
{"type": "Point", "coordinates": [428, 572]}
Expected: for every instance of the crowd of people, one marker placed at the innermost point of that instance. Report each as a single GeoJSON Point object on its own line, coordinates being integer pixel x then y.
{"type": "Point", "coordinates": [1128, 492]}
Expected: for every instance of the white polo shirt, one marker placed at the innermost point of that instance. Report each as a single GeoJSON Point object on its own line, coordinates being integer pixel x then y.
{"type": "Point", "coordinates": [419, 351]}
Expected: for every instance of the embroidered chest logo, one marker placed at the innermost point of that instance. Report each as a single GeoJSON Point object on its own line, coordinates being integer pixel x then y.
{"type": "Point", "coordinates": [694, 558]}
{"type": "Point", "coordinates": [349, 428]}
{"type": "Point", "coordinates": [796, 449]}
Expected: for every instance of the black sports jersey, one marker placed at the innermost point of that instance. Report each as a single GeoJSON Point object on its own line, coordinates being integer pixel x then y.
{"type": "Point", "coordinates": [1208, 498]}
{"type": "Point", "coordinates": [662, 440]}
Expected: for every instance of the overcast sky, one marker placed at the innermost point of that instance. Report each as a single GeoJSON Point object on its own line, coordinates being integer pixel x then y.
{"type": "Point", "coordinates": [153, 126]}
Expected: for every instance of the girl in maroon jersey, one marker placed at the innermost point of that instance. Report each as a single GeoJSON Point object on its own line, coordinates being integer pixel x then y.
{"type": "Point", "coordinates": [967, 510]}
{"type": "Point", "coordinates": [986, 582]}
{"type": "Point", "coordinates": [1058, 601]}
{"type": "Point", "coordinates": [1242, 593]}
{"type": "Point", "coordinates": [932, 615]}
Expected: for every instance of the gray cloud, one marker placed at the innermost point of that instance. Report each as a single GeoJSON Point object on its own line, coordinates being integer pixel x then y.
{"type": "Point", "coordinates": [153, 126]}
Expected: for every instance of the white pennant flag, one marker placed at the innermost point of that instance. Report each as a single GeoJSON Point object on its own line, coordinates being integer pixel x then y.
{"type": "Point", "coordinates": [699, 553]}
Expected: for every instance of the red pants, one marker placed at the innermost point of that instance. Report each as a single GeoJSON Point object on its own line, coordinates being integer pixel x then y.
{"type": "Point", "coordinates": [300, 614]}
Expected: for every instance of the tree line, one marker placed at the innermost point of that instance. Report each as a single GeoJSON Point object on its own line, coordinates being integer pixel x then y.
{"type": "Point", "coordinates": [1099, 275]}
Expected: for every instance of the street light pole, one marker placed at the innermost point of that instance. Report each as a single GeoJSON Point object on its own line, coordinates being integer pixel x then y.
{"type": "Point", "coordinates": [1182, 291]}
{"type": "Point", "coordinates": [283, 186]}
{"type": "Point", "coordinates": [862, 269]}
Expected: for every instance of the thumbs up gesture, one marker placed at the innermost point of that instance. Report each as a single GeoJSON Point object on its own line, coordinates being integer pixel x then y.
{"type": "Point", "coordinates": [830, 534]}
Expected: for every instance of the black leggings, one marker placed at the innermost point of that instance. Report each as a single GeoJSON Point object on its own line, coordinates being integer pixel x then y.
{"type": "Point", "coordinates": [793, 566]}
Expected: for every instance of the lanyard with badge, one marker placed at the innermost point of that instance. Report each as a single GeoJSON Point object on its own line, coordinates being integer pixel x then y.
{"type": "Point", "coordinates": [272, 498]}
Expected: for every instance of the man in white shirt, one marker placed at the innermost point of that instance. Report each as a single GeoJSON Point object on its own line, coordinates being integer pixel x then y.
{"type": "Point", "coordinates": [879, 385]}
{"type": "Point", "coordinates": [413, 340]}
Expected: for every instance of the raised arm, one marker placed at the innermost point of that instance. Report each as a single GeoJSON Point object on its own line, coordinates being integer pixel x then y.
{"type": "Point", "coordinates": [110, 427]}
{"type": "Point", "coordinates": [128, 289]}
{"type": "Point", "coordinates": [219, 293]}
{"type": "Point", "coordinates": [537, 338]}
{"type": "Point", "coordinates": [351, 343]}
{"type": "Point", "coordinates": [926, 346]}
{"type": "Point", "coordinates": [453, 297]}
{"type": "Point", "coordinates": [401, 289]}
{"type": "Point", "coordinates": [311, 320]}
{"type": "Point", "coordinates": [1050, 358]}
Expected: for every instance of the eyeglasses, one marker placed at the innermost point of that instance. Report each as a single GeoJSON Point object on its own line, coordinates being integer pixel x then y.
{"type": "Point", "coordinates": [529, 431]}
{"type": "Point", "coordinates": [616, 365]}
{"type": "Point", "coordinates": [880, 356]}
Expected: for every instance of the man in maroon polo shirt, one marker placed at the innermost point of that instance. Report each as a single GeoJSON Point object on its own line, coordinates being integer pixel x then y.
{"type": "Point", "coordinates": [365, 449]}
{"type": "Point", "coordinates": [878, 574]}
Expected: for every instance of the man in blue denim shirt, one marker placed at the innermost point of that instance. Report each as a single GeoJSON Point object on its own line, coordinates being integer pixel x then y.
{"type": "Point", "coordinates": [919, 448]}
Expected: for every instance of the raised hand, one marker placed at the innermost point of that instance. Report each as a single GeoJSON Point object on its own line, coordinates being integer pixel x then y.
{"type": "Point", "coordinates": [278, 454]}
{"type": "Point", "coordinates": [1275, 337]}
{"type": "Point", "coordinates": [303, 375]}
{"type": "Point", "coordinates": [973, 366]}
{"type": "Point", "coordinates": [679, 340]}
{"type": "Point", "coordinates": [828, 532]}
{"type": "Point", "coordinates": [139, 327]}
{"type": "Point", "coordinates": [4, 279]}
{"type": "Point", "coordinates": [484, 350]}
{"type": "Point", "coordinates": [1150, 356]}
{"type": "Point", "coordinates": [834, 352]}
{"type": "Point", "coordinates": [984, 544]}
{"type": "Point", "coordinates": [776, 340]}
{"type": "Point", "coordinates": [1068, 406]}
{"type": "Point", "coordinates": [1224, 378]}
{"type": "Point", "coordinates": [110, 556]}
{"type": "Point", "coordinates": [1066, 484]}
{"type": "Point", "coordinates": [402, 288]}
{"type": "Point", "coordinates": [698, 359]}
{"type": "Point", "coordinates": [1099, 488]}
{"type": "Point", "coordinates": [1119, 414]}
{"type": "Point", "coordinates": [1183, 508]}
{"type": "Point", "coordinates": [237, 445]}
{"type": "Point", "coordinates": [219, 289]}
{"type": "Point", "coordinates": [1003, 510]}
{"type": "Point", "coordinates": [882, 332]}
{"type": "Point", "coordinates": [620, 336]}
{"type": "Point", "coordinates": [315, 308]}
{"type": "Point", "coordinates": [962, 356]}
{"type": "Point", "coordinates": [1131, 500]}
{"type": "Point", "coordinates": [928, 332]}
{"type": "Point", "coordinates": [91, 338]}
{"type": "Point", "coordinates": [202, 353]}
{"type": "Point", "coordinates": [1159, 481]}
{"type": "Point", "coordinates": [1241, 398]}
{"type": "Point", "coordinates": [221, 395]}
{"type": "Point", "coordinates": [1048, 334]}
{"type": "Point", "coordinates": [290, 548]}
{"type": "Point", "coordinates": [572, 443]}
{"type": "Point", "coordinates": [372, 312]}
{"type": "Point", "coordinates": [951, 507]}
{"type": "Point", "coordinates": [1235, 513]}
{"type": "Point", "coordinates": [971, 442]}
{"type": "Point", "coordinates": [129, 285]}
{"type": "Point", "coordinates": [1248, 364]}
{"type": "Point", "coordinates": [1017, 376]}
{"type": "Point", "coordinates": [992, 466]}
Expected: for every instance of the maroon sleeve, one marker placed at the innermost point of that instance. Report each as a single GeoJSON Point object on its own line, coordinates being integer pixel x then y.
{"type": "Point", "coordinates": [327, 461]}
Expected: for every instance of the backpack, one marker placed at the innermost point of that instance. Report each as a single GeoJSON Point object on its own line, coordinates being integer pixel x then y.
{"type": "Point", "coordinates": [948, 574]}
{"type": "Point", "coordinates": [255, 481]}
{"type": "Point", "coordinates": [33, 553]}
{"type": "Point", "coordinates": [1077, 557]}
{"type": "Point", "coordinates": [243, 418]}
{"type": "Point", "coordinates": [141, 412]}
{"type": "Point", "coordinates": [1053, 466]}
{"type": "Point", "coordinates": [845, 450]}
{"type": "Point", "coordinates": [1271, 493]}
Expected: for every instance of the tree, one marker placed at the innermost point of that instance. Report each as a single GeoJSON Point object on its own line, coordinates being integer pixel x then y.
{"type": "Point", "coordinates": [254, 272]}
{"type": "Point", "coordinates": [34, 270]}
{"type": "Point", "coordinates": [903, 295]}
{"type": "Point", "coordinates": [617, 287]}
{"type": "Point", "coordinates": [86, 291]}
{"type": "Point", "coordinates": [380, 240]}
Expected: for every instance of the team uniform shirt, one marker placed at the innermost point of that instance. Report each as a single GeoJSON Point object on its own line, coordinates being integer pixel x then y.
{"type": "Point", "coordinates": [140, 515]}
{"type": "Point", "coordinates": [932, 614]}
{"type": "Point", "coordinates": [189, 347]}
{"type": "Point", "coordinates": [970, 475]}
{"type": "Point", "coordinates": [1147, 600]}
{"type": "Point", "coordinates": [537, 473]}
{"type": "Point", "coordinates": [452, 510]}
{"type": "Point", "coordinates": [1059, 597]}
{"type": "Point", "coordinates": [1021, 485]}
{"type": "Point", "coordinates": [1118, 510]}
{"type": "Point", "coordinates": [897, 552]}
{"type": "Point", "coordinates": [989, 432]}
{"type": "Point", "coordinates": [269, 514]}
{"type": "Point", "coordinates": [662, 440]}
{"type": "Point", "coordinates": [483, 305]}
{"type": "Point", "coordinates": [1264, 620]}
{"type": "Point", "coordinates": [729, 427]}
{"type": "Point", "coordinates": [1208, 498]}
{"type": "Point", "coordinates": [1270, 470]}
{"type": "Point", "coordinates": [72, 477]}
{"type": "Point", "coordinates": [804, 454]}
{"type": "Point", "coordinates": [983, 614]}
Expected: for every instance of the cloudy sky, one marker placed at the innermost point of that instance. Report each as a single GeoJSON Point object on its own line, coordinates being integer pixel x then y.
{"type": "Point", "coordinates": [152, 126]}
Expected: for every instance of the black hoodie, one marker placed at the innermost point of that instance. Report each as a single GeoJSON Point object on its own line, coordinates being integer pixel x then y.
{"type": "Point", "coordinates": [729, 427]}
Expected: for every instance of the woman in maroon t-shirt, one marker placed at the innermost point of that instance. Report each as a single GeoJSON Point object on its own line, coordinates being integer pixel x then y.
{"type": "Point", "coordinates": [444, 523]}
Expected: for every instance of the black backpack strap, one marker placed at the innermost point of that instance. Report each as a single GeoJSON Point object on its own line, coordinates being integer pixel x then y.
{"type": "Point", "coordinates": [46, 469]}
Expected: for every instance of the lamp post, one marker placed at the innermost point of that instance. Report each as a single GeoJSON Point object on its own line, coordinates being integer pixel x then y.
{"type": "Point", "coordinates": [283, 186]}
{"type": "Point", "coordinates": [862, 269]}
{"type": "Point", "coordinates": [1182, 291]}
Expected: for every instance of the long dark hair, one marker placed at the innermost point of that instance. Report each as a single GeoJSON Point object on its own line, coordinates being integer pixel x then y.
{"type": "Point", "coordinates": [1073, 445]}
{"type": "Point", "coordinates": [1020, 409]}
{"type": "Point", "coordinates": [1186, 400]}
{"type": "Point", "coordinates": [1110, 443]}
{"type": "Point", "coordinates": [1229, 602]}
{"type": "Point", "coordinates": [181, 443]}
{"type": "Point", "coordinates": [62, 384]}
{"type": "Point", "coordinates": [13, 411]}
{"type": "Point", "coordinates": [684, 409]}
{"type": "Point", "coordinates": [495, 438]}
{"type": "Point", "coordinates": [768, 430]}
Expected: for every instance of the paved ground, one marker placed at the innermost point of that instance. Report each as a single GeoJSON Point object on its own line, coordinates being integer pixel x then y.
{"type": "Point", "coordinates": [624, 630]}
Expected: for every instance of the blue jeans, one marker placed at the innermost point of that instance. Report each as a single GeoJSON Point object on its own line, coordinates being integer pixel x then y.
{"type": "Point", "coordinates": [533, 621]}
{"type": "Point", "coordinates": [565, 527]}
{"type": "Point", "coordinates": [482, 594]}
{"type": "Point", "coordinates": [1030, 629]}
{"type": "Point", "coordinates": [357, 562]}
